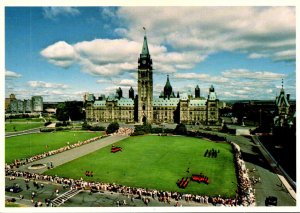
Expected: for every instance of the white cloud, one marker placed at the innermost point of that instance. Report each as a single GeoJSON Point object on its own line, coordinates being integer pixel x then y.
{"type": "Point", "coordinates": [109, 57]}
{"type": "Point", "coordinates": [247, 74]}
{"type": "Point", "coordinates": [127, 82]}
{"type": "Point", "coordinates": [42, 84]}
{"type": "Point", "coordinates": [257, 55]}
{"type": "Point", "coordinates": [190, 76]}
{"type": "Point", "coordinates": [252, 30]}
{"type": "Point", "coordinates": [11, 74]}
{"type": "Point", "coordinates": [201, 77]}
{"type": "Point", "coordinates": [54, 12]}
{"type": "Point", "coordinates": [103, 81]}
{"type": "Point", "coordinates": [60, 54]}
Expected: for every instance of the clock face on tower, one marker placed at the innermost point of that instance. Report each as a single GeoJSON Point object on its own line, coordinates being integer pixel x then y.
{"type": "Point", "coordinates": [143, 61]}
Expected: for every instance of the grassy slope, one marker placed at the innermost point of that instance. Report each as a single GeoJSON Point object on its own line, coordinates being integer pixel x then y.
{"type": "Point", "coordinates": [158, 162]}
{"type": "Point", "coordinates": [28, 145]}
{"type": "Point", "coordinates": [9, 127]}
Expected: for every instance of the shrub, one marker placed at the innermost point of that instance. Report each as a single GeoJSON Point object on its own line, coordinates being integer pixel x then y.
{"type": "Point", "coordinates": [47, 123]}
{"type": "Point", "coordinates": [97, 128]}
{"type": "Point", "coordinates": [112, 127]}
{"type": "Point", "coordinates": [47, 129]}
{"type": "Point", "coordinates": [167, 130]}
{"type": "Point", "coordinates": [180, 129]}
{"type": "Point", "coordinates": [157, 130]}
{"type": "Point", "coordinates": [59, 128]}
{"type": "Point", "coordinates": [86, 126]}
{"type": "Point", "coordinates": [136, 133]}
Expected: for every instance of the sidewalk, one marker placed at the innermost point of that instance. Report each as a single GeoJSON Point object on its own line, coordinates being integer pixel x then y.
{"type": "Point", "coordinates": [274, 166]}
{"type": "Point", "coordinates": [72, 154]}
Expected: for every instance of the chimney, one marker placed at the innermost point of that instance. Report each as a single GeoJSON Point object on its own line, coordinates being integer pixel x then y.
{"type": "Point", "coordinates": [288, 97]}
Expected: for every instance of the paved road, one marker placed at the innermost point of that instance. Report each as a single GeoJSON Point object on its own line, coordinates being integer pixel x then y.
{"type": "Point", "coordinates": [84, 198]}
{"type": "Point", "coordinates": [25, 132]}
{"type": "Point", "coordinates": [73, 154]}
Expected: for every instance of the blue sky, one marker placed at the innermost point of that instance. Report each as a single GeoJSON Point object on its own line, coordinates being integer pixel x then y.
{"type": "Point", "coordinates": [63, 52]}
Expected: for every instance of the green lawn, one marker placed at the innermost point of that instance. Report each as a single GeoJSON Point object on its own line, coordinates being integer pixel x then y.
{"type": "Point", "coordinates": [24, 146]}
{"type": "Point", "coordinates": [25, 120]}
{"type": "Point", "coordinates": [14, 127]}
{"type": "Point", "coordinates": [157, 162]}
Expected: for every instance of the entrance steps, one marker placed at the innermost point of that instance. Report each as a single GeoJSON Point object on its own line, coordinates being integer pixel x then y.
{"type": "Point", "coordinates": [64, 197]}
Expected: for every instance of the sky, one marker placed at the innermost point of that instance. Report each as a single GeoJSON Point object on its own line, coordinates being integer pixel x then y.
{"type": "Point", "coordinates": [61, 53]}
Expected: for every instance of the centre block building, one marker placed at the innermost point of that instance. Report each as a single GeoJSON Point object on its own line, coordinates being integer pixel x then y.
{"type": "Point", "coordinates": [167, 108]}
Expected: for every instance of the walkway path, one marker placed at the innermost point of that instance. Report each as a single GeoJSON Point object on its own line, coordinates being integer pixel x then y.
{"type": "Point", "coordinates": [73, 154]}
{"type": "Point", "coordinates": [24, 132]}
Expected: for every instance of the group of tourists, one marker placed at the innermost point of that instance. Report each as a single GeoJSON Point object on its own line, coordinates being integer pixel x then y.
{"type": "Point", "coordinates": [246, 192]}
{"type": "Point", "coordinates": [89, 173]}
{"type": "Point", "coordinates": [115, 149]}
{"type": "Point", "coordinates": [183, 183]}
{"type": "Point", "coordinates": [135, 193]}
{"type": "Point", "coordinates": [211, 153]}
{"type": "Point", "coordinates": [124, 131]}
{"type": "Point", "coordinates": [200, 178]}
{"type": "Point", "coordinates": [18, 162]}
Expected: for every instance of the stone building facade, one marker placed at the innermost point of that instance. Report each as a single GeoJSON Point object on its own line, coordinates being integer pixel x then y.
{"type": "Point", "coordinates": [167, 108]}
{"type": "Point", "coordinates": [35, 104]}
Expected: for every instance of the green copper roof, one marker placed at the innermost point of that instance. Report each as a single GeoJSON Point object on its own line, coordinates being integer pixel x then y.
{"type": "Point", "coordinates": [145, 50]}
{"type": "Point", "coordinates": [281, 100]}
{"type": "Point", "coordinates": [168, 84]}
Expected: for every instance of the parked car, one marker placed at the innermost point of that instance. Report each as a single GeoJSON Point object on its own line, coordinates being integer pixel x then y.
{"type": "Point", "coordinates": [271, 201]}
{"type": "Point", "coordinates": [14, 189]}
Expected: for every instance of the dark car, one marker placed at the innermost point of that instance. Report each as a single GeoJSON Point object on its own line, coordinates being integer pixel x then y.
{"type": "Point", "coordinates": [271, 201]}
{"type": "Point", "coordinates": [14, 189]}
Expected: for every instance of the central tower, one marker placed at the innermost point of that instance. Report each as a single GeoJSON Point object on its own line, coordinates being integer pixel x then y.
{"type": "Point", "coordinates": [145, 85]}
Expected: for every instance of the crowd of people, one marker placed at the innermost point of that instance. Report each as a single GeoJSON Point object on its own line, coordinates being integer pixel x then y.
{"type": "Point", "coordinates": [124, 131]}
{"type": "Point", "coordinates": [89, 173]}
{"type": "Point", "coordinates": [200, 178]}
{"type": "Point", "coordinates": [115, 149]}
{"type": "Point", "coordinates": [137, 193]}
{"type": "Point", "coordinates": [18, 162]}
{"type": "Point", "coordinates": [211, 153]}
{"type": "Point", "coordinates": [246, 192]}
{"type": "Point", "coordinates": [183, 183]}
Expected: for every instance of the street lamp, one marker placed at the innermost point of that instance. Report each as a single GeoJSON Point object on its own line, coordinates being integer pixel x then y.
{"type": "Point", "coordinates": [243, 124]}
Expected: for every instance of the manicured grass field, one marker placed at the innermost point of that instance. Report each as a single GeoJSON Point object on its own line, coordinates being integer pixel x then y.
{"type": "Point", "coordinates": [25, 120]}
{"type": "Point", "coordinates": [157, 162]}
{"type": "Point", "coordinates": [24, 146]}
{"type": "Point", "coordinates": [15, 127]}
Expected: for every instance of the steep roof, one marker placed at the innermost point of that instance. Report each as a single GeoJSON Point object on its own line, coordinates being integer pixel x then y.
{"type": "Point", "coordinates": [125, 102]}
{"type": "Point", "coordinates": [281, 99]}
{"type": "Point", "coordinates": [165, 102]}
{"type": "Point", "coordinates": [145, 50]}
{"type": "Point", "coordinates": [168, 86]}
{"type": "Point", "coordinates": [99, 103]}
{"type": "Point", "coordinates": [197, 103]}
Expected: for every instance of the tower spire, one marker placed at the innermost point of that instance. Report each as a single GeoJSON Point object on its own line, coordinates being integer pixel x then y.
{"type": "Point", "coordinates": [282, 83]}
{"type": "Point", "coordinates": [145, 50]}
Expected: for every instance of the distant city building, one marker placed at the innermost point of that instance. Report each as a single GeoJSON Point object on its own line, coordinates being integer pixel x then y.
{"type": "Point", "coordinates": [9, 100]}
{"type": "Point", "coordinates": [27, 106]}
{"type": "Point", "coordinates": [37, 103]}
{"type": "Point", "coordinates": [167, 108]}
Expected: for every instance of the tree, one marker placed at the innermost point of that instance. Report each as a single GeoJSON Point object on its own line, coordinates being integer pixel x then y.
{"type": "Point", "coordinates": [70, 109]}
{"type": "Point", "coordinates": [180, 129]}
{"type": "Point", "coordinates": [112, 127]}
